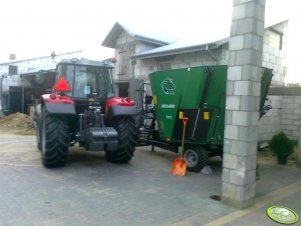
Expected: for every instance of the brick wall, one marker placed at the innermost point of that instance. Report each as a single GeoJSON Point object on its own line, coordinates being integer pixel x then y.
{"type": "Point", "coordinates": [275, 57]}
{"type": "Point", "coordinates": [269, 124]}
{"type": "Point", "coordinates": [290, 116]}
{"type": "Point", "coordinates": [285, 116]}
{"type": "Point", "coordinates": [145, 67]}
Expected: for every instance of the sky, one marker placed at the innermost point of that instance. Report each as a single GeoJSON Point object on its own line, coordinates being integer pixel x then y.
{"type": "Point", "coordinates": [34, 28]}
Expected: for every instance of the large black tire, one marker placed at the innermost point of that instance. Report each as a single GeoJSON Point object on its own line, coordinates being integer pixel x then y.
{"type": "Point", "coordinates": [38, 129]}
{"type": "Point", "coordinates": [127, 135]}
{"type": "Point", "coordinates": [196, 158]}
{"type": "Point", "coordinates": [39, 137]}
{"type": "Point", "coordinates": [55, 139]}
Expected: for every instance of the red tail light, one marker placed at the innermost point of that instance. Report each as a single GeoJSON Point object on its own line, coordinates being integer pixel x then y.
{"type": "Point", "coordinates": [62, 85]}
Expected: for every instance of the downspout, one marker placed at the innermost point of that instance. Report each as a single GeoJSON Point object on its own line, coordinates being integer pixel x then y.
{"type": "Point", "coordinates": [211, 54]}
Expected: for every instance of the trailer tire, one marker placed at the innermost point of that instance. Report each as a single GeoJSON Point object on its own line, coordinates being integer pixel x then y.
{"type": "Point", "coordinates": [196, 158]}
{"type": "Point", "coordinates": [55, 139]}
{"type": "Point", "coordinates": [126, 129]}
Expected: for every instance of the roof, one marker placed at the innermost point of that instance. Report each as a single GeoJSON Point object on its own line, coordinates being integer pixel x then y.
{"type": "Point", "coordinates": [117, 29]}
{"type": "Point", "coordinates": [36, 58]}
{"type": "Point", "coordinates": [86, 62]}
{"type": "Point", "coordinates": [36, 72]}
{"type": "Point", "coordinates": [200, 42]}
{"type": "Point", "coordinates": [183, 46]}
{"type": "Point", "coordinates": [82, 61]}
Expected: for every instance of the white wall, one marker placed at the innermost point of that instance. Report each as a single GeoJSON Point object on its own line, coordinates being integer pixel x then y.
{"type": "Point", "coordinates": [144, 67]}
{"type": "Point", "coordinates": [269, 124]}
{"type": "Point", "coordinates": [285, 116]}
{"type": "Point", "coordinates": [275, 58]}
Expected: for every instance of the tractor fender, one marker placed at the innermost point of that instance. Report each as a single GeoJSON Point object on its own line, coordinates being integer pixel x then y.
{"type": "Point", "coordinates": [122, 111]}
{"type": "Point", "coordinates": [58, 104]}
{"type": "Point", "coordinates": [120, 106]}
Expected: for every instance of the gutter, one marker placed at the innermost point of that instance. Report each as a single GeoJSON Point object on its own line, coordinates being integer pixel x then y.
{"type": "Point", "coordinates": [189, 49]}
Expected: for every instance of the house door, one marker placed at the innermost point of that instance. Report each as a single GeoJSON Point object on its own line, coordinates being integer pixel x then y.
{"type": "Point", "coordinates": [123, 89]}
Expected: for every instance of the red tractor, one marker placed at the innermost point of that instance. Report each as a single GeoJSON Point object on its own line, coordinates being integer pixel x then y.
{"type": "Point", "coordinates": [82, 109]}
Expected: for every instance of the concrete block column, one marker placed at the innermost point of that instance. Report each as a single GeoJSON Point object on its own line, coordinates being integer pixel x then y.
{"type": "Point", "coordinates": [299, 146]}
{"type": "Point", "coordinates": [299, 152]}
{"type": "Point", "coordinates": [242, 103]}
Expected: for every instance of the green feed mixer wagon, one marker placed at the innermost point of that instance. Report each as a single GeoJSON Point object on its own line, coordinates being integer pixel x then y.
{"type": "Point", "coordinates": [196, 93]}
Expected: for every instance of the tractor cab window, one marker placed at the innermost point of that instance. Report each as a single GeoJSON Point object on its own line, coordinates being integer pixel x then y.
{"type": "Point", "coordinates": [105, 82]}
{"type": "Point", "coordinates": [87, 81]}
{"type": "Point", "coordinates": [67, 72]}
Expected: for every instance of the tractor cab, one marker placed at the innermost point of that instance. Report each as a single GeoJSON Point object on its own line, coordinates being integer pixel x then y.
{"type": "Point", "coordinates": [85, 81]}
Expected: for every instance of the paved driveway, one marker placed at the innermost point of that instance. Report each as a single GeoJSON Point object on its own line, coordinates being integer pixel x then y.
{"type": "Point", "coordinates": [91, 191]}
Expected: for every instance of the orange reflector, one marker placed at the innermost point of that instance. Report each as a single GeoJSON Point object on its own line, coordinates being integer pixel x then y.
{"type": "Point", "coordinates": [62, 85]}
{"type": "Point", "coordinates": [52, 96]}
{"type": "Point", "coordinates": [181, 114]}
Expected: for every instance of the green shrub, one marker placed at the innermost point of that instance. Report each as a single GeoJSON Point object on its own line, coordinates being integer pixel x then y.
{"type": "Point", "coordinates": [281, 146]}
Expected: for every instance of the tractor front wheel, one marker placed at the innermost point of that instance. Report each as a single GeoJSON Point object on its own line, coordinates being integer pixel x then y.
{"type": "Point", "coordinates": [126, 129]}
{"type": "Point", "coordinates": [196, 158]}
{"type": "Point", "coordinates": [54, 135]}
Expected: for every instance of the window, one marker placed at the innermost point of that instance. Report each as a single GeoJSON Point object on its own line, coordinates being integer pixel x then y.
{"type": "Point", "coordinates": [275, 39]}
{"type": "Point", "coordinates": [87, 81]}
{"type": "Point", "coordinates": [12, 70]}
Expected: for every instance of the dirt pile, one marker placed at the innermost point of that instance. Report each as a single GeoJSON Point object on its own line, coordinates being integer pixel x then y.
{"type": "Point", "coordinates": [16, 123]}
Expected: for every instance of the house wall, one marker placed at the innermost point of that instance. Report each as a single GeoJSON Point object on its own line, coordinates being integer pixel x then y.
{"type": "Point", "coordinates": [144, 67]}
{"type": "Point", "coordinates": [127, 46]}
{"type": "Point", "coordinates": [274, 57]}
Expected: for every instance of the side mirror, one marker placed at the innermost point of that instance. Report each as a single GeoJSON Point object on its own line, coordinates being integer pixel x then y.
{"type": "Point", "coordinates": [48, 91]}
{"type": "Point", "coordinates": [148, 99]}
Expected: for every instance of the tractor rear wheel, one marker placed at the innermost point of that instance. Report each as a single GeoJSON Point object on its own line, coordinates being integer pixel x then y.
{"type": "Point", "coordinates": [126, 129]}
{"type": "Point", "coordinates": [39, 137]}
{"type": "Point", "coordinates": [196, 158]}
{"type": "Point", "coordinates": [54, 139]}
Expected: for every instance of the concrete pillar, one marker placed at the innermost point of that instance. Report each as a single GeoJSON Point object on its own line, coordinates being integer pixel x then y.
{"type": "Point", "coordinates": [299, 146]}
{"type": "Point", "coordinates": [299, 152]}
{"type": "Point", "coordinates": [242, 101]}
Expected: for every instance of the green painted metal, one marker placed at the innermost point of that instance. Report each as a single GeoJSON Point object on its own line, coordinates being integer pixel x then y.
{"type": "Point", "coordinates": [183, 89]}
{"type": "Point", "coordinates": [265, 84]}
{"type": "Point", "coordinates": [188, 90]}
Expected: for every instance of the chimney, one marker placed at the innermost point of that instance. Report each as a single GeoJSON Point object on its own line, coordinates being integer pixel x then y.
{"type": "Point", "coordinates": [52, 54]}
{"type": "Point", "coordinates": [12, 56]}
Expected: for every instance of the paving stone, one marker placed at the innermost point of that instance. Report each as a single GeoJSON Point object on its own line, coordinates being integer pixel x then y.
{"type": "Point", "coordinates": [91, 191]}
